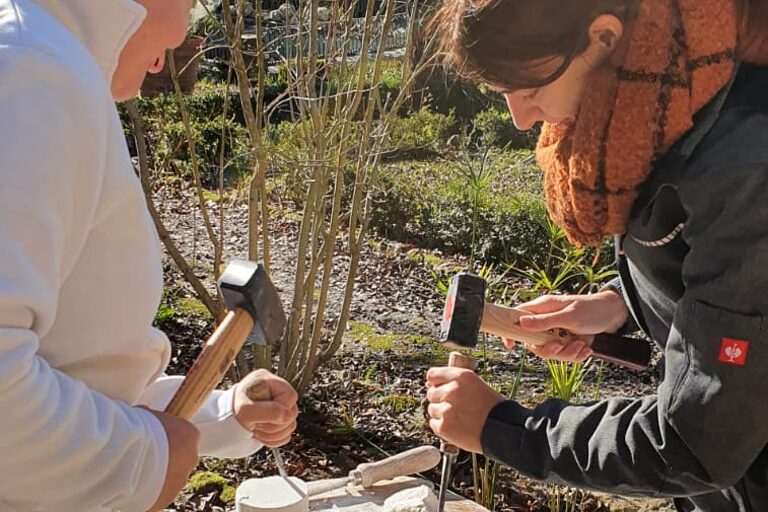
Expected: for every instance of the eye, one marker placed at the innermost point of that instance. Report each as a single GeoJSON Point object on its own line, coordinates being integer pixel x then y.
{"type": "Point", "coordinates": [529, 95]}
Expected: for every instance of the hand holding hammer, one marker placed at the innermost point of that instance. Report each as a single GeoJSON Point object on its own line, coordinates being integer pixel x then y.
{"type": "Point", "coordinates": [256, 317]}
{"type": "Point", "coordinates": [466, 315]}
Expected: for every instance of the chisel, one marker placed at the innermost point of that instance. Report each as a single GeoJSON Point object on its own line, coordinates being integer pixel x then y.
{"type": "Point", "coordinates": [450, 452]}
{"type": "Point", "coordinates": [366, 475]}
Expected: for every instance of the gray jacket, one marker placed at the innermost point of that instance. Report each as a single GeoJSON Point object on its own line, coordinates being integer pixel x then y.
{"type": "Point", "coordinates": [694, 268]}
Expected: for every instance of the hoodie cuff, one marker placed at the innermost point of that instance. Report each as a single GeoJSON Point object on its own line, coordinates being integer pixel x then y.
{"type": "Point", "coordinates": [503, 431]}
{"type": "Point", "coordinates": [225, 437]}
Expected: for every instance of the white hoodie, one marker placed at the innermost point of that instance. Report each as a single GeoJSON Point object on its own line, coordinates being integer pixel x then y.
{"type": "Point", "coordinates": [80, 276]}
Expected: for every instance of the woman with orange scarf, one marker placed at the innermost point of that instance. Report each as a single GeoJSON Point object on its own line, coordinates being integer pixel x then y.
{"type": "Point", "coordinates": [656, 132]}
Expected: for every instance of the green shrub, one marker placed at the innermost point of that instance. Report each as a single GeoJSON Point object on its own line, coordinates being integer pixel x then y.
{"type": "Point", "coordinates": [167, 135]}
{"type": "Point", "coordinates": [428, 204]}
{"type": "Point", "coordinates": [494, 127]}
{"type": "Point", "coordinates": [420, 131]}
{"type": "Point", "coordinates": [445, 93]}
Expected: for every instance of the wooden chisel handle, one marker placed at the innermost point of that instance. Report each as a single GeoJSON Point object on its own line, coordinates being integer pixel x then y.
{"type": "Point", "coordinates": [213, 362]}
{"type": "Point", "coordinates": [457, 360]}
{"type": "Point", "coordinates": [503, 321]}
{"type": "Point", "coordinates": [257, 389]}
{"type": "Point", "coordinates": [409, 462]}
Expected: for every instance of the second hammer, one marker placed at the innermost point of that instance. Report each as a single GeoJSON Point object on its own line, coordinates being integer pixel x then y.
{"type": "Point", "coordinates": [466, 315]}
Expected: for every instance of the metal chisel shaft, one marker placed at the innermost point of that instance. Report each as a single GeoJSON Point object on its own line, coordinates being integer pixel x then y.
{"type": "Point", "coordinates": [450, 452]}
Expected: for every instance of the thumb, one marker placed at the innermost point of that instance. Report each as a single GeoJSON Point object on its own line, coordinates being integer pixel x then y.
{"type": "Point", "coordinates": [545, 321]}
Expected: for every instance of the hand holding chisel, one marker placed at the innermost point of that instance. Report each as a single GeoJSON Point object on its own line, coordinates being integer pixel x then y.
{"type": "Point", "coordinates": [450, 452]}
{"type": "Point", "coordinates": [258, 390]}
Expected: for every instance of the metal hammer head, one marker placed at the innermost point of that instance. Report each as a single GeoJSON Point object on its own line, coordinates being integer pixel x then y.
{"type": "Point", "coordinates": [246, 285]}
{"type": "Point", "coordinates": [463, 311]}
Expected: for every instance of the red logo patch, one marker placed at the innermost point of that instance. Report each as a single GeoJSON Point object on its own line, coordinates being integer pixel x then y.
{"type": "Point", "coordinates": [448, 311]}
{"type": "Point", "coordinates": [733, 351]}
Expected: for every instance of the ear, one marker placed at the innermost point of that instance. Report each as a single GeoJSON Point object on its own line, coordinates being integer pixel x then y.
{"type": "Point", "coordinates": [605, 32]}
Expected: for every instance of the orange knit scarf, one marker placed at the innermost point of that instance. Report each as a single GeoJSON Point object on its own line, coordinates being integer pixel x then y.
{"type": "Point", "coordinates": [679, 54]}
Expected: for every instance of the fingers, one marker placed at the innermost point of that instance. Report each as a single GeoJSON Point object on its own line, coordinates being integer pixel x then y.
{"type": "Point", "coordinates": [282, 391]}
{"type": "Point", "coordinates": [273, 423]}
{"type": "Point", "coordinates": [546, 321]}
{"type": "Point", "coordinates": [260, 413]}
{"type": "Point", "coordinates": [576, 351]}
{"type": "Point", "coordinates": [443, 375]}
{"type": "Point", "coordinates": [274, 437]}
{"type": "Point", "coordinates": [438, 394]}
{"type": "Point", "coordinates": [437, 411]}
{"type": "Point", "coordinates": [546, 304]}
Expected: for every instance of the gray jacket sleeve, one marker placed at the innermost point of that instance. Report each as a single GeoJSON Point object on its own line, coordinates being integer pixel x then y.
{"type": "Point", "coordinates": [708, 420]}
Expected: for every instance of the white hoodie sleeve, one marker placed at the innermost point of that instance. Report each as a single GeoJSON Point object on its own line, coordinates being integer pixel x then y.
{"type": "Point", "coordinates": [221, 435]}
{"type": "Point", "coordinates": [63, 446]}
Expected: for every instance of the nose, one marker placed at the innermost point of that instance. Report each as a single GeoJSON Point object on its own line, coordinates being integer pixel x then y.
{"type": "Point", "coordinates": [158, 65]}
{"type": "Point", "coordinates": [524, 113]}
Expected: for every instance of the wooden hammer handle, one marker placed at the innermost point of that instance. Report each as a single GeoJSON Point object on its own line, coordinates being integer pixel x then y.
{"type": "Point", "coordinates": [213, 362]}
{"type": "Point", "coordinates": [503, 321]}
{"type": "Point", "coordinates": [410, 462]}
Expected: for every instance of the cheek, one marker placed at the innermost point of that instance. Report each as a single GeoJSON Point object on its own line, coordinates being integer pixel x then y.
{"type": "Point", "coordinates": [178, 32]}
{"type": "Point", "coordinates": [560, 103]}
{"type": "Point", "coordinates": [169, 26]}
{"type": "Point", "coordinates": [178, 23]}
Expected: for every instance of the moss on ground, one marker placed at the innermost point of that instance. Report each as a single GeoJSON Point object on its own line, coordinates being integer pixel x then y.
{"type": "Point", "coordinates": [190, 306]}
{"type": "Point", "coordinates": [205, 482]}
{"type": "Point", "coordinates": [365, 333]}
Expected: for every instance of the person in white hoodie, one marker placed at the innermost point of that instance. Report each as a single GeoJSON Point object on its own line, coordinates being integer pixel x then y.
{"type": "Point", "coordinates": [81, 368]}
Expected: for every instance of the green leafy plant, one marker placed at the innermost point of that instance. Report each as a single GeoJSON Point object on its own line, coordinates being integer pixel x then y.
{"type": "Point", "coordinates": [164, 313]}
{"type": "Point", "coordinates": [371, 372]}
{"type": "Point", "coordinates": [476, 175]}
{"type": "Point", "coordinates": [345, 424]}
{"type": "Point", "coordinates": [562, 499]}
{"type": "Point", "coordinates": [566, 379]}
{"type": "Point", "coordinates": [398, 403]}
{"type": "Point", "coordinates": [566, 267]}
{"type": "Point", "coordinates": [438, 283]}
{"type": "Point", "coordinates": [591, 274]}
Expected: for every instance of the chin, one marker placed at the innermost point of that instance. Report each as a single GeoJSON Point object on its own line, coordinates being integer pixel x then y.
{"type": "Point", "coordinates": [124, 90]}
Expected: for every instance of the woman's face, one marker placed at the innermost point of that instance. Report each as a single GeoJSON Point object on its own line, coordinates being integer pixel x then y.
{"type": "Point", "coordinates": [560, 100]}
{"type": "Point", "coordinates": [164, 28]}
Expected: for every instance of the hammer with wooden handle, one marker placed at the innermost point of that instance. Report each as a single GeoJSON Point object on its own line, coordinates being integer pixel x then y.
{"type": "Point", "coordinates": [466, 315]}
{"type": "Point", "coordinates": [450, 452]}
{"type": "Point", "coordinates": [255, 316]}
{"type": "Point", "coordinates": [416, 460]}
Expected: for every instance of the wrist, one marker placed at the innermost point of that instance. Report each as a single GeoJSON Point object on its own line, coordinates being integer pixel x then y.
{"type": "Point", "coordinates": [616, 309]}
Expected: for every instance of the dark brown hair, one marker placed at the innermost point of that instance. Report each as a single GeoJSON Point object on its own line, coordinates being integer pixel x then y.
{"type": "Point", "coordinates": [523, 44]}
{"type": "Point", "coordinates": [753, 31]}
